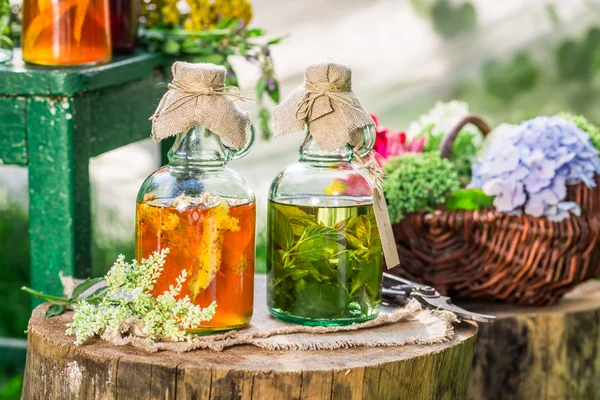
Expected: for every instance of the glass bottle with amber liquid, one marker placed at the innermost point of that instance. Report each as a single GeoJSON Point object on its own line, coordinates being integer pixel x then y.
{"type": "Point", "coordinates": [205, 213]}
{"type": "Point", "coordinates": [324, 253]}
{"type": "Point", "coordinates": [66, 32]}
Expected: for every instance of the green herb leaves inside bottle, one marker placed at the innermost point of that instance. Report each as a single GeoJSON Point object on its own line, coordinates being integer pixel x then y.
{"type": "Point", "coordinates": [325, 262]}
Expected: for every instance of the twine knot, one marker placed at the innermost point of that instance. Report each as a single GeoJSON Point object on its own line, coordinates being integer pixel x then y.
{"type": "Point", "coordinates": [192, 90]}
{"type": "Point", "coordinates": [200, 89]}
{"type": "Point", "coordinates": [198, 95]}
{"type": "Point", "coordinates": [340, 93]}
{"type": "Point", "coordinates": [372, 168]}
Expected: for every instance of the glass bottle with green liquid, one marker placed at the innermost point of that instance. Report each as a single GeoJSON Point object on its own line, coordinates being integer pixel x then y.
{"type": "Point", "coordinates": [324, 254]}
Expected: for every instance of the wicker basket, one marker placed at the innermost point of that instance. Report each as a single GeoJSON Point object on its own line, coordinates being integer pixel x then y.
{"type": "Point", "coordinates": [489, 255]}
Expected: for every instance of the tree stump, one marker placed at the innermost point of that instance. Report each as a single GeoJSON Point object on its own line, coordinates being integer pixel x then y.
{"type": "Point", "coordinates": [57, 369]}
{"type": "Point", "coordinates": [539, 353]}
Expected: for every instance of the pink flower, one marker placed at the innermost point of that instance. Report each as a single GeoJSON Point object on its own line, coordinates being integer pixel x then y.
{"type": "Point", "coordinates": [393, 144]}
{"type": "Point", "coordinates": [381, 134]}
{"type": "Point", "coordinates": [355, 185]}
{"type": "Point", "coordinates": [378, 158]}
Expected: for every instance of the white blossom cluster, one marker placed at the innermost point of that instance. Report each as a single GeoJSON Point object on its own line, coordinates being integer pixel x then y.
{"type": "Point", "coordinates": [441, 118]}
{"type": "Point", "coordinates": [129, 304]}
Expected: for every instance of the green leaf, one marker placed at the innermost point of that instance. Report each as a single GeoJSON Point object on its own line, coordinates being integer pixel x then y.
{"type": "Point", "coordinates": [367, 268]}
{"type": "Point", "coordinates": [54, 310]}
{"type": "Point", "coordinates": [261, 86]}
{"type": "Point", "coordinates": [171, 46]}
{"type": "Point", "coordinates": [284, 235]}
{"type": "Point", "coordinates": [293, 273]}
{"type": "Point", "coordinates": [83, 286]}
{"type": "Point", "coordinates": [352, 242]}
{"type": "Point", "coordinates": [468, 199]}
{"type": "Point", "coordinates": [364, 229]}
{"type": "Point", "coordinates": [276, 40]}
{"type": "Point", "coordinates": [361, 228]}
{"type": "Point", "coordinates": [100, 291]}
{"type": "Point", "coordinates": [318, 242]}
{"type": "Point", "coordinates": [255, 32]}
{"type": "Point", "coordinates": [321, 301]}
{"type": "Point", "coordinates": [324, 233]}
{"type": "Point", "coordinates": [450, 20]}
{"type": "Point", "coordinates": [225, 23]}
{"type": "Point", "coordinates": [274, 92]}
{"type": "Point", "coordinates": [264, 117]}
{"type": "Point", "coordinates": [298, 219]}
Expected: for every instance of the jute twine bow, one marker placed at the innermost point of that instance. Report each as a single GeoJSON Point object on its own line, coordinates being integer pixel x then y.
{"type": "Point", "coordinates": [372, 168]}
{"type": "Point", "coordinates": [198, 96]}
{"type": "Point", "coordinates": [326, 105]}
{"type": "Point", "coordinates": [192, 90]}
{"type": "Point", "coordinates": [317, 90]}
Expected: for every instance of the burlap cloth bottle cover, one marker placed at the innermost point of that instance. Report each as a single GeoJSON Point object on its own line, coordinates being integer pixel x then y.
{"type": "Point", "coordinates": [334, 116]}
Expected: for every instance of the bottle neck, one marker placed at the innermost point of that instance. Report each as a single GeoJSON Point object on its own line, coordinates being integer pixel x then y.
{"type": "Point", "coordinates": [199, 148]}
{"type": "Point", "coordinates": [311, 152]}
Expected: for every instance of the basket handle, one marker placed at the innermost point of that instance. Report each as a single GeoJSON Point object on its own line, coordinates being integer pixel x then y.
{"type": "Point", "coordinates": [450, 137]}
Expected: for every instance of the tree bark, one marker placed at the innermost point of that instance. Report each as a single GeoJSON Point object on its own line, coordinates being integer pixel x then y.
{"type": "Point", "coordinates": [57, 369]}
{"type": "Point", "coordinates": [540, 353]}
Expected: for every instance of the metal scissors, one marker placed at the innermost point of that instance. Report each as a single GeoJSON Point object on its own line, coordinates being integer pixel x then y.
{"type": "Point", "coordinates": [397, 291]}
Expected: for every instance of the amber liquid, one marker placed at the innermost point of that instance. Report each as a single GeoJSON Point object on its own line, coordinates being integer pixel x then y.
{"type": "Point", "coordinates": [216, 247]}
{"type": "Point", "coordinates": [66, 32]}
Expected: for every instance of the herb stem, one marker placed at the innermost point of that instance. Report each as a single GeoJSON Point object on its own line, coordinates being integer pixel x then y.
{"type": "Point", "coordinates": [44, 296]}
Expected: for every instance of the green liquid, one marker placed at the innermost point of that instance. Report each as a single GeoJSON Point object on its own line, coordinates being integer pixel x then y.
{"type": "Point", "coordinates": [324, 264]}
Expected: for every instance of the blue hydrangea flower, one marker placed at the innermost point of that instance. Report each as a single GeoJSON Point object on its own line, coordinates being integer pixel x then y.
{"type": "Point", "coordinates": [529, 166]}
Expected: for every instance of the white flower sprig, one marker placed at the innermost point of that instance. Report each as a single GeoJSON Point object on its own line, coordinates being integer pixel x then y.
{"type": "Point", "coordinates": [129, 301]}
{"type": "Point", "coordinates": [126, 305]}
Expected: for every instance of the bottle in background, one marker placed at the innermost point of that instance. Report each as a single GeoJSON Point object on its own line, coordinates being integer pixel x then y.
{"type": "Point", "coordinates": [66, 32]}
{"type": "Point", "coordinates": [124, 21]}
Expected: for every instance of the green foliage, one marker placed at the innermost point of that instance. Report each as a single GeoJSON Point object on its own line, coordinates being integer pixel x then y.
{"type": "Point", "coordinates": [14, 258]}
{"type": "Point", "coordinates": [418, 182]}
{"type": "Point", "coordinates": [320, 271]}
{"type": "Point", "coordinates": [506, 81]}
{"type": "Point", "coordinates": [10, 388]}
{"type": "Point", "coordinates": [62, 304]}
{"type": "Point", "coordinates": [579, 60]}
{"type": "Point", "coordinates": [5, 25]}
{"type": "Point", "coordinates": [450, 20]}
{"type": "Point", "coordinates": [464, 151]}
{"type": "Point", "coordinates": [15, 306]}
{"type": "Point", "coordinates": [260, 263]}
{"type": "Point", "coordinates": [469, 200]}
{"type": "Point", "coordinates": [585, 125]}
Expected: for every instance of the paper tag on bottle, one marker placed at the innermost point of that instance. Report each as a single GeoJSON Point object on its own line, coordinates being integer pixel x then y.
{"type": "Point", "coordinates": [382, 216]}
{"type": "Point", "coordinates": [384, 226]}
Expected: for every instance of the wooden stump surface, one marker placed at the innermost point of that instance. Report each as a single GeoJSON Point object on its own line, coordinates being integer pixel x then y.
{"type": "Point", "coordinates": [56, 369]}
{"type": "Point", "coordinates": [539, 353]}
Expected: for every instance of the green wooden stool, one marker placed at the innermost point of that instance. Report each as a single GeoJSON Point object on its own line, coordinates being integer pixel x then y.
{"type": "Point", "coordinates": [53, 121]}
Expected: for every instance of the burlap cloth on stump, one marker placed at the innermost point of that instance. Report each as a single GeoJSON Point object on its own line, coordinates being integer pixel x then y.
{"type": "Point", "coordinates": [393, 327]}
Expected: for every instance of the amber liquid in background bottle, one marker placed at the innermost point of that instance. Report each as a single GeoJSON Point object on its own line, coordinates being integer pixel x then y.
{"type": "Point", "coordinates": [66, 32]}
{"type": "Point", "coordinates": [216, 247]}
